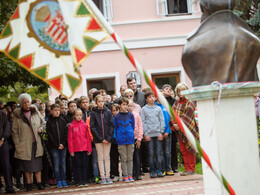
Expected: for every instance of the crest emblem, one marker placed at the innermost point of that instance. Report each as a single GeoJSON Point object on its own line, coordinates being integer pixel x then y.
{"type": "Point", "coordinates": [47, 26]}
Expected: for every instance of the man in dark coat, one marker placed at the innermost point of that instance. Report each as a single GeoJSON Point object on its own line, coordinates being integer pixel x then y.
{"type": "Point", "coordinates": [4, 152]}
{"type": "Point", "coordinates": [138, 95]}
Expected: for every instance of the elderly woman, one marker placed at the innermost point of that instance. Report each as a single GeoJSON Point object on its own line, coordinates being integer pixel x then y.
{"type": "Point", "coordinates": [129, 94]}
{"type": "Point", "coordinates": [27, 126]}
{"type": "Point", "coordinates": [186, 111]}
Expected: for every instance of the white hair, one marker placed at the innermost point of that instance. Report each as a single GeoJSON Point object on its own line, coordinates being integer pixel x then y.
{"type": "Point", "coordinates": [128, 91]}
{"type": "Point", "coordinates": [24, 96]}
{"type": "Point", "coordinates": [91, 90]}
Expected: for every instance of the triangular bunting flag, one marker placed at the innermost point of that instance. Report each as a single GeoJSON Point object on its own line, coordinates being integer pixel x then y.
{"type": "Point", "coordinates": [79, 55]}
{"type": "Point", "coordinates": [27, 61]}
{"type": "Point", "coordinates": [16, 14]}
{"type": "Point", "coordinates": [73, 82]}
{"type": "Point", "coordinates": [93, 25]}
{"type": "Point", "coordinates": [56, 83]}
{"type": "Point", "coordinates": [7, 48]}
{"type": "Point", "coordinates": [15, 51]}
{"type": "Point", "coordinates": [41, 72]}
{"type": "Point", "coordinates": [90, 43]}
{"type": "Point", "coordinates": [7, 31]}
{"type": "Point", "coordinates": [82, 10]}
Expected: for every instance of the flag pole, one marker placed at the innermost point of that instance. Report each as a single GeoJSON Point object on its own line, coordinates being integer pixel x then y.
{"type": "Point", "coordinates": [158, 94]}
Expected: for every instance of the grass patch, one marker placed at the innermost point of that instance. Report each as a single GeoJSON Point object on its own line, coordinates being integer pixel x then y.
{"type": "Point", "coordinates": [198, 168]}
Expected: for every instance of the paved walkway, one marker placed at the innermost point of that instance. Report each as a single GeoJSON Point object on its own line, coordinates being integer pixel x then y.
{"type": "Point", "coordinates": [177, 185]}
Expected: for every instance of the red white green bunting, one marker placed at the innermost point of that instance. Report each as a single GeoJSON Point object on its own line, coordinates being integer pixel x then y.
{"type": "Point", "coordinates": [159, 96]}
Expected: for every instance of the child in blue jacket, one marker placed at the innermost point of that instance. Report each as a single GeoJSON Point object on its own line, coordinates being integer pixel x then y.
{"type": "Point", "coordinates": [124, 130]}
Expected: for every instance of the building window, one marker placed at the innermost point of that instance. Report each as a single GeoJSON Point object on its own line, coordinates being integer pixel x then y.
{"type": "Point", "coordinates": [161, 79]}
{"type": "Point", "coordinates": [105, 6]}
{"type": "Point", "coordinates": [177, 7]}
{"type": "Point", "coordinates": [107, 84]}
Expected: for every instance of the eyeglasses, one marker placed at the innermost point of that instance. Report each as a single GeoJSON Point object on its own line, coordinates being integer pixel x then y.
{"type": "Point", "coordinates": [127, 96]}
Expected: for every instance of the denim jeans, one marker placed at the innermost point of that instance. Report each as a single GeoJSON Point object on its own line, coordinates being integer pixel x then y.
{"type": "Point", "coordinates": [167, 145]}
{"type": "Point", "coordinates": [95, 162]}
{"type": "Point", "coordinates": [59, 163]}
{"type": "Point", "coordinates": [155, 154]}
{"type": "Point", "coordinates": [81, 159]}
{"type": "Point", "coordinates": [136, 162]}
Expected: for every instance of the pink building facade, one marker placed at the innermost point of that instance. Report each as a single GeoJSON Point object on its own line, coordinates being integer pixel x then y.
{"type": "Point", "coordinates": [154, 31]}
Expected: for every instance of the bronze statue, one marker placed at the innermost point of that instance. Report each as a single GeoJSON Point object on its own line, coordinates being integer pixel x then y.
{"type": "Point", "coordinates": [223, 48]}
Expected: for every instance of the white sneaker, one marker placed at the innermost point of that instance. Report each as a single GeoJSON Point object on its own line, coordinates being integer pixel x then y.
{"type": "Point", "coordinates": [109, 181]}
{"type": "Point", "coordinates": [116, 178]}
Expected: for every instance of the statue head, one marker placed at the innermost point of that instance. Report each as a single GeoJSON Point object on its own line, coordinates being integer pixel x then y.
{"type": "Point", "coordinates": [209, 7]}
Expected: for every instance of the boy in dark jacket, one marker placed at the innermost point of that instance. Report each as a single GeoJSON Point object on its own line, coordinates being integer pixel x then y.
{"type": "Point", "coordinates": [124, 130]}
{"type": "Point", "coordinates": [57, 132]}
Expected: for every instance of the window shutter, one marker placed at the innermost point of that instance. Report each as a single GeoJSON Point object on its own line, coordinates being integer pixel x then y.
{"type": "Point", "coordinates": [161, 7]}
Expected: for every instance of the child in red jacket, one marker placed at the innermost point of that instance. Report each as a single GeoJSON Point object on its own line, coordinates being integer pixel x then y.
{"type": "Point", "coordinates": [79, 147]}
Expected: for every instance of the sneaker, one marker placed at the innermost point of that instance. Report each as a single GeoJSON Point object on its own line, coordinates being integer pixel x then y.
{"type": "Point", "coordinates": [85, 185]}
{"type": "Point", "coordinates": [153, 175]}
{"type": "Point", "coordinates": [159, 174]}
{"type": "Point", "coordinates": [80, 184]}
{"type": "Point", "coordinates": [116, 178]}
{"type": "Point", "coordinates": [164, 173]}
{"type": "Point", "coordinates": [126, 179]}
{"type": "Point", "coordinates": [138, 177]}
{"type": "Point", "coordinates": [176, 171]}
{"type": "Point", "coordinates": [104, 181]}
{"type": "Point", "coordinates": [170, 173]}
{"type": "Point", "coordinates": [130, 178]}
{"type": "Point", "coordinates": [96, 180]}
{"type": "Point", "coordinates": [59, 184]}
{"type": "Point", "coordinates": [64, 184]}
{"type": "Point", "coordinates": [109, 181]}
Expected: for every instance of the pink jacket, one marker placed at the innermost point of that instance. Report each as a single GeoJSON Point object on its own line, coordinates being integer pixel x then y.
{"type": "Point", "coordinates": [78, 137]}
{"type": "Point", "coordinates": [137, 109]}
{"type": "Point", "coordinates": [138, 127]}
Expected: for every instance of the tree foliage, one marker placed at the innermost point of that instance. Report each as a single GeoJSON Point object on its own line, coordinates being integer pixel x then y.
{"type": "Point", "coordinates": [11, 73]}
{"type": "Point", "coordinates": [249, 10]}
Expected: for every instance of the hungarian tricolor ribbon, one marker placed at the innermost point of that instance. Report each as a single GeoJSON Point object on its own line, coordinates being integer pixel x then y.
{"type": "Point", "coordinates": [158, 94]}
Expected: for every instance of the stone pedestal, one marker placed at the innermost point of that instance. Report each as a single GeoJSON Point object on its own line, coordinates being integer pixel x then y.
{"type": "Point", "coordinates": [229, 136]}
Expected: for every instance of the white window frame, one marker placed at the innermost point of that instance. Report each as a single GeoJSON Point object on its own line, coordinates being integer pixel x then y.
{"type": "Point", "coordinates": [162, 8]}
{"type": "Point", "coordinates": [108, 9]}
{"type": "Point", "coordinates": [115, 75]}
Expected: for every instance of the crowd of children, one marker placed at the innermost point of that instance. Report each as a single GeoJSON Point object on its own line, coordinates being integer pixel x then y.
{"type": "Point", "coordinates": [85, 139]}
